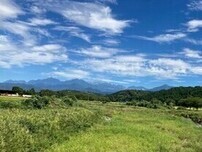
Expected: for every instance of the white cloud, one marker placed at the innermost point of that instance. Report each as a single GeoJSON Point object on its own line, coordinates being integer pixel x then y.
{"type": "Point", "coordinates": [108, 1]}
{"type": "Point", "coordinates": [28, 33]}
{"type": "Point", "coordinates": [70, 74]}
{"type": "Point", "coordinates": [140, 66]}
{"type": "Point", "coordinates": [192, 53]}
{"type": "Point", "coordinates": [13, 54]}
{"type": "Point", "coordinates": [98, 52]}
{"type": "Point", "coordinates": [116, 65]}
{"type": "Point", "coordinates": [111, 42]}
{"type": "Point", "coordinates": [15, 28]}
{"type": "Point", "coordinates": [74, 31]}
{"type": "Point", "coordinates": [42, 32]}
{"type": "Point", "coordinates": [102, 79]}
{"type": "Point", "coordinates": [37, 10]}
{"type": "Point", "coordinates": [9, 9]}
{"type": "Point", "coordinates": [193, 41]}
{"type": "Point", "coordinates": [167, 68]}
{"type": "Point", "coordinates": [197, 70]}
{"type": "Point", "coordinates": [164, 38]}
{"type": "Point", "coordinates": [194, 25]}
{"type": "Point", "coordinates": [19, 29]}
{"type": "Point", "coordinates": [91, 15]}
{"type": "Point", "coordinates": [195, 5]}
{"type": "Point", "coordinates": [40, 22]}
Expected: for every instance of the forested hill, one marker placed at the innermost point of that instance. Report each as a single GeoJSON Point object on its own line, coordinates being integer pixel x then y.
{"type": "Point", "coordinates": [175, 94]}
{"type": "Point", "coordinates": [172, 95]}
{"type": "Point", "coordinates": [179, 96]}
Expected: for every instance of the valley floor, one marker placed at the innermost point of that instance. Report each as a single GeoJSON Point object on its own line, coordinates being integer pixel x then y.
{"type": "Point", "coordinates": [130, 129]}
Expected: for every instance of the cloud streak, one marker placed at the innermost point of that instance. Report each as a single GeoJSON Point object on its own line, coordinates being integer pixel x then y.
{"type": "Point", "coordinates": [97, 51]}
{"type": "Point", "coordinates": [13, 54]}
{"type": "Point", "coordinates": [195, 5]}
{"type": "Point", "coordinates": [163, 38]}
{"type": "Point", "coordinates": [92, 15]}
{"type": "Point", "coordinates": [9, 9]}
{"type": "Point", "coordinates": [75, 32]}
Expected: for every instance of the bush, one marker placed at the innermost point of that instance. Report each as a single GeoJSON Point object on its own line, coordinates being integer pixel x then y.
{"type": "Point", "coordinates": [144, 103]}
{"type": "Point", "coordinates": [194, 102]}
{"type": "Point", "coordinates": [8, 104]}
{"type": "Point", "coordinates": [37, 130]}
{"type": "Point", "coordinates": [68, 101]}
{"type": "Point", "coordinates": [36, 102]}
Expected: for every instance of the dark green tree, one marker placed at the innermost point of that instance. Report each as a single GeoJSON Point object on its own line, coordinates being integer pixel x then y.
{"type": "Point", "coordinates": [18, 90]}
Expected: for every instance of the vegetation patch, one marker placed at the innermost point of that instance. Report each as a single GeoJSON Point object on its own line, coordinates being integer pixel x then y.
{"type": "Point", "coordinates": [37, 130]}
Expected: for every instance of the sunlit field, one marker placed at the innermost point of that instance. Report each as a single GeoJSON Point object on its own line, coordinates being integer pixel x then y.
{"type": "Point", "coordinates": [137, 129]}
{"type": "Point", "coordinates": [7, 98]}
{"type": "Point", "coordinates": [97, 127]}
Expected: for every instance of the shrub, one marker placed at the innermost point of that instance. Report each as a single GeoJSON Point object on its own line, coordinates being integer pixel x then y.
{"type": "Point", "coordinates": [36, 102]}
{"type": "Point", "coordinates": [68, 101]}
{"type": "Point", "coordinates": [194, 102]}
{"type": "Point", "coordinates": [38, 130]}
{"type": "Point", "coordinates": [144, 103]}
{"type": "Point", "coordinates": [8, 104]}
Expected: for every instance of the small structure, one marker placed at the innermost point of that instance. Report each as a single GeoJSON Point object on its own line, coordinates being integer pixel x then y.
{"type": "Point", "coordinates": [26, 96]}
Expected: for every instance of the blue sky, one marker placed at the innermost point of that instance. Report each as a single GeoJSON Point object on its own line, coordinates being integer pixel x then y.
{"type": "Point", "coordinates": [142, 42]}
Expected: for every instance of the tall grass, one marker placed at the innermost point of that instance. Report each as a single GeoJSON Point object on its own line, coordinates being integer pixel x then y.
{"type": "Point", "coordinates": [135, 129]}
{"type": "Point", "coordinates": [37, 130]}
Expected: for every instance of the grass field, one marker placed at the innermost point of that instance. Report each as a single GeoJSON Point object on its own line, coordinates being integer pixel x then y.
{"type": "Point", "coordinates": [98, 127]}
{"type": "Point", "coordinates": [136, 130]}
{"type": "Point", "coordinates": [7, 98]}
{"type": "Point", "coordinates": [36, 130]}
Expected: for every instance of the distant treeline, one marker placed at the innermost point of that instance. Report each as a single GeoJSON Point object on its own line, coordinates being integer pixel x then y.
{"type": "Point", "coordinates": [179, 96]}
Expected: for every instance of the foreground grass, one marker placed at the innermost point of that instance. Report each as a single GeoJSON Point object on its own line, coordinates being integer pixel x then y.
{"type": "Point", "coordinates": [97, 127]}
{"type": "Point", "coordinates": [36, 130]}
{"type": "Point", "coordinates": [135, 130]}
{"type": "Point", "coordinates": [11, 99]}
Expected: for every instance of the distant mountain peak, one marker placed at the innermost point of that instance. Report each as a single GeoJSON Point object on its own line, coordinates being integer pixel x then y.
{"type": "Point", "coordinates": [75, 84]}
{"type": "Point", "coordinates": [162, 87]}
{"type": "Point", "coordinates": [137, 88]}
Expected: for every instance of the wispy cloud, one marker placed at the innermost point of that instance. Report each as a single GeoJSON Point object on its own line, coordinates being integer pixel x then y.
{"type": "Point", "coordinates": [193, 41]}
{"type": "Point", "coordinates": [163, 38]}
{"type": "Point", "coordinates": [74, 31]}
{"type": "Point", "coordinates": [19, 29]}
{"type": "Point", "coordinates": [192, 53]}
{"type": "Point", "coordinates": [194, 25]}
{"type": "Point", "coordinates": [195, 5]}
{"type": "Point", "coordinates": [108, 1]}
{"type": "Point", "coordinates": [9, 9]}
{"type": "Point", "coordinates": [141, 66]}
{"type": "Point", "coordinates": [70, 74]}
{"type": "Point", "coordinates": [13, 54]}
{"type": "Point", "coordinates": [111, 42]}
{"type": "Point", "coordinates": [37, 9]}
{"type": "Point", "coordinates": [92, 15]}
{"type": "Point", "coordinates": [40, 22]}
{"type": "Point", "coordinates": [97, 51]}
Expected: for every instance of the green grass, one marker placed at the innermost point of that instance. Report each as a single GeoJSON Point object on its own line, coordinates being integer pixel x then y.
{"type": "Point", "coordinates": [97, 127]}
{"type": "Point", "coordinates": [10, 102]}
{"type": "Point", "coordinates": [136, 130]}
{"type": "Point", "coordinates": [36, 130]}
{"type": "Point", "coordinates": [11, 99]}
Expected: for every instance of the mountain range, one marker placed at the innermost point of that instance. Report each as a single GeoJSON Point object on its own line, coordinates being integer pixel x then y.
{"type": "Point", "coordinates": [74, 84]}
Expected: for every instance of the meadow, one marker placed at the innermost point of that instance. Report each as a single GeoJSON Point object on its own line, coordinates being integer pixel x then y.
{"type": "Point", "coordinates": [10, 99]}
{"type": "Point", "coordinates": [98, 127]}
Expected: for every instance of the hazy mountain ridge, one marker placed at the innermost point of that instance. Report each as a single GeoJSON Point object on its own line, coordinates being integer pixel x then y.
{"type": "Point", "coordinates": [163, 87]}
{"type": "Point", "coordinates": [74, 84]}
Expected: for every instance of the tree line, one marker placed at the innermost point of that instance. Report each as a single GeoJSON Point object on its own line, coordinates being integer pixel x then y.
{"type": "Point", "coordinates": [179, 96]}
